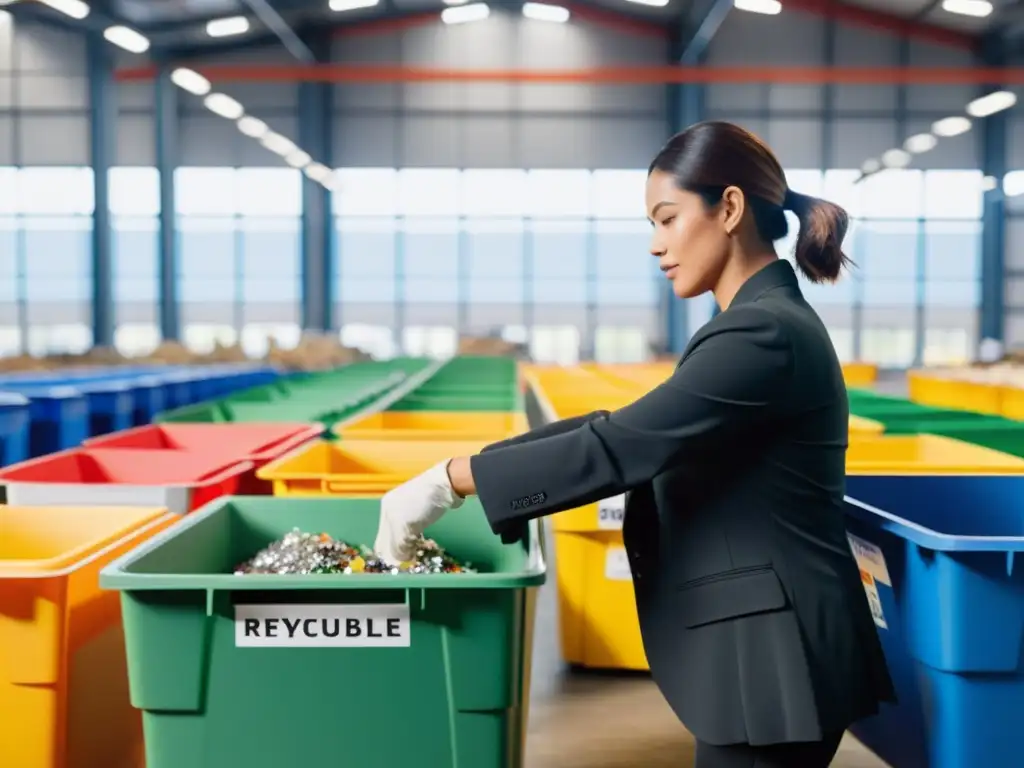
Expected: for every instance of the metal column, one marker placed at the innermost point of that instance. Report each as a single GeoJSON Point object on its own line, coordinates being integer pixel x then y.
{"type": "Point", "coordinates": [103, 141]}
{"type": "Point", "coordinates": [686, 107]}
{"type": "Point", "coordinates": [167, 158]}
{"type": "Point", "coordinates": [993, 150]}
{"type": "Point", "coordinates": [316, 129]}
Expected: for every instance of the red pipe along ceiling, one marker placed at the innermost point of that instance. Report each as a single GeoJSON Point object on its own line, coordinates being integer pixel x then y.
{"type": "Point", "coordinates": [624, 75]}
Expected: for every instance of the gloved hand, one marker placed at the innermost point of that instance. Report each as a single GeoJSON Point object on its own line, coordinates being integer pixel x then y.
{"type": "Point", "coordinates": [406, 511]}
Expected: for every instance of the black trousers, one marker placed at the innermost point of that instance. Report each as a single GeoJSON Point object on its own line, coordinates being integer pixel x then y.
{"type": "Point", "coordinates": [815, 754]}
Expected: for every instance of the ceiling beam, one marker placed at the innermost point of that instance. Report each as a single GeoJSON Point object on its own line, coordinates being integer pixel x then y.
{"type": "Point", "coordinates": [700, 26]}
{"type": "Point", "coordinates": [911, 28]}
{"type": "Point", "coordinates": [273, 21]}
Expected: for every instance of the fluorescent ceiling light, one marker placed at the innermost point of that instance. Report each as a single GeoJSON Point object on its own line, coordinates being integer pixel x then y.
{"type": "Point", "coordinates": [278, 144]}
{"type": "Point", "coordinates": [994, 102]}
{"type": "Point", "coordinates": [252, 127]}
{"type": "Point", "coordinates": [76, 9]}
{"type": "Point", "coordinates": [461, 14]}
{"type": "Point", "coordinates": [870, 166]}
{"type": "Point", "coordinates": [318, 172]}
{"type": "Point", "coordinates": [921, 142]}
{"type": "Point", "coordinates": [232, 25]}
{"type": "Point", "coordinates": [895, 158]}
{"type": "Point", "coordinates": [126, 38]}
{"type": "Point", "coordinates": [223, 105]}
{"type": "Point", "coordinates": [977, 8]}
{"type": "Point", "coordinates": [1013, 183]}
{"type": "Point", "coordinates": [766, 7]}
{"type": "Point", "coordinates": [191, 81]}
{"type": "Point", "coordinates": [298, 159]}
{"type": "Point", "coordinates": [351, 5]}
{"type": "Point", "coordinates": [951, 126]}
{"type": "Point", "coordinates": [988, 183]}
{"type": "Point", "coordinates": [545, 12]}
{"type": "Point", "coordinates": [454, 2]}
{"type": "Point", "coordinates": [652, 3]}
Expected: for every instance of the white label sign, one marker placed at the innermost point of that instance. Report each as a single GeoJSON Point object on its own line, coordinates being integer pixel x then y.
{"type": "Point", "coordinates": [322, 626]}
{"type": "Point", "coordinates": [616, 565]}
{"type": "Point", "coordinates": [870, 559]}
{"type": "Point", "coordinates": [871, 590]}
{"type": "Point", "coordinates": [611, 512]}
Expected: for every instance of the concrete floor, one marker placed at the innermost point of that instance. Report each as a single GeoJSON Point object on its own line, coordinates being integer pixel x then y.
{"type": "Point", "coordinates": [601, 720]}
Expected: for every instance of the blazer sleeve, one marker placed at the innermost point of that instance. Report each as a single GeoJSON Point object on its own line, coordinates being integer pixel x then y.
{"type": "Point", "coordinates": [548, 430]}
{"type": "Point", "coordinates": [728, 385]}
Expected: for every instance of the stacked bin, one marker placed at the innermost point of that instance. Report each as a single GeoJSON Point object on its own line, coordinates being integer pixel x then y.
{"type": "Point", "coordinates": [63, 694]}
{"type": "Point", "coordinates": [452, 625]}
{"type": "Point", "coordinates": [325, 398]}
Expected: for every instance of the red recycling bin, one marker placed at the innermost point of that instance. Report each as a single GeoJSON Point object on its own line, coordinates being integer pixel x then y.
{"type": "Point", "coordinates": [180, 481]}
{"type": "Point", "coordinates": [255, 442]}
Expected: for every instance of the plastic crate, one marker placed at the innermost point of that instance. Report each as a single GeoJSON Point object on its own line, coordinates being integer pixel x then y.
{"type": "Point", "coordinates": [925, 454]}
{"type": "Point", "coordinates": [358, 467]}
{"type": "Point", "coordinates": [14, 428]}
{"type": "Point", "coordinates": [213, 696]}
{"type": "Point", "coordinates": [177, 480]}
{"type": "Point", "coordinates": [59, 418]}
{"type": "Point", "coordinates": [434, 425]}
{"type": "Point", "coordinates": [504, 401]}
{"type": "Point", "coordinates": [63, 676]}
{"type": "Point", "coordinates": [940, 558]}
{"type": "Point", "coordinates": [257, 443]}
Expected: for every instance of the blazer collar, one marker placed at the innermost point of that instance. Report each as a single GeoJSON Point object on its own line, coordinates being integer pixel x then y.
{"type": "Point", "coordinates": [778, 274]}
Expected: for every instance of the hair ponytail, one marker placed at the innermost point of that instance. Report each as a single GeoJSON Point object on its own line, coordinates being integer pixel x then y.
{"type": "Point", "coordinates": [819, 245]}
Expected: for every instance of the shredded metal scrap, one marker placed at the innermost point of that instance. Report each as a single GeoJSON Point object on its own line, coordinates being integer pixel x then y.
{"type": "Point", "coordinates": [305, 553]}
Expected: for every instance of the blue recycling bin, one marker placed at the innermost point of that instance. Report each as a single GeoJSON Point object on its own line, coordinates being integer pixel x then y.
{"type": "Point", "coordinates": [14, 427]}
{"type": "Point", "coordinates": [939, 556]}
{"type": "Point", "coordinates": [111, 405]}
{"type": "Point", "coordinates": [59, 417]}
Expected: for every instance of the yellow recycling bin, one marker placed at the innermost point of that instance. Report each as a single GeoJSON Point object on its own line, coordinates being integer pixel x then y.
{"type": "Point", "coordinates": [435, 425]}
{"type": "Point", "coordinates": [359, 467]}
{"type": "Point", "coordinates": [926, 454]}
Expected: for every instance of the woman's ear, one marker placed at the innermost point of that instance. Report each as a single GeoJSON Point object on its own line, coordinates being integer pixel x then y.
{"type": "Point", "coordinates": [734, 204]}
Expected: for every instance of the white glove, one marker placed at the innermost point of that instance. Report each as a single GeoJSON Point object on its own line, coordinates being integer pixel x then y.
{"type": "Point", "coordinates": [407, 510]}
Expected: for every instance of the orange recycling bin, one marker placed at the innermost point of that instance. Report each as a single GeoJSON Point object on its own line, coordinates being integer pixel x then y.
{"type": "Point", "coordinates": [63, 675]}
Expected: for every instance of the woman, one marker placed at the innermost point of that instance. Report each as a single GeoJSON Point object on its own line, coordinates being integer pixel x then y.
{"type": "Point", "coordinates": [755, 623]}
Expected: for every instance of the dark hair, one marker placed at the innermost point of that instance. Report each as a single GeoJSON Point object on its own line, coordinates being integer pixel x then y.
{"type": "Point", "coordinates": [708, 157]}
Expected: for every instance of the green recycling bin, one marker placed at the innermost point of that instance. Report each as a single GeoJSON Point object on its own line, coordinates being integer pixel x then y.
{"type": "Point", "coordinates": [416, 402]}
{"type": "Point", "coordinates": [246, 671]}
{"type": "Point", "coordinates": [993, 432]}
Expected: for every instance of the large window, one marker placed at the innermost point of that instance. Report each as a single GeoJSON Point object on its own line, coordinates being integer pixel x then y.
{"type": "Point", "coordinates": [239, 265]}
{"type": "Point", "coordinates": [134, 212]}
{"type": "Point", "coordinates": [557, 256]}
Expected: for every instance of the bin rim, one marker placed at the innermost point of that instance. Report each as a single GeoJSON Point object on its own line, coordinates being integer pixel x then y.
{"type": "Point", "coordinates": [10, 399]}
{"type": "Point", "coordinates": [114, 577]}
{"type": "Point", "coordinates": [45, 391]}
{"type": "Point", "coordinates": [73, 560]}
{"type": "Point", "coordinates": [929, 538]}
{"type": "Point", "coordinates": [218, 472]}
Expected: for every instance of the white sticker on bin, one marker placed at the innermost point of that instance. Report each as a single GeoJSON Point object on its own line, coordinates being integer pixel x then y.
{"type": "Point", "coordinates": [871, 590]}
{"type": "Point", "coordinates": [616, 565]}
{"type": "Point", "coordinates": [322, 626]}
{"type": "Point", "coordinates": [870, 559]}
{"type": "Point", "coordinates": [611, 512]}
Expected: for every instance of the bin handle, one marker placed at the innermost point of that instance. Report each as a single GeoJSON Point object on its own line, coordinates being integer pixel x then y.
{"type": "Point", "coordinates": [341, 486]}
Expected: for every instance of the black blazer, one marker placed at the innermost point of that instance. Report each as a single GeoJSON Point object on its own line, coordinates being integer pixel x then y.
{"type": "Point", "coordinates": [754, 619]}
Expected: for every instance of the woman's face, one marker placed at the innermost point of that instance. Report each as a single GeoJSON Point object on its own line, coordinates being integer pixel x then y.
{"type": "Point", "coordinates": [690, 240]}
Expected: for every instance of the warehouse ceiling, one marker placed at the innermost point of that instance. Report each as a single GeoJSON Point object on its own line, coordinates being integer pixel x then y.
{"type": "Point", "coordinates": [178, 27]}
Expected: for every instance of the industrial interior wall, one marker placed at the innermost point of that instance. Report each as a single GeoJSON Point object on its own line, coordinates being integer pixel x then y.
{"type": "Point", "coordinates": [1014, 236]}
{"type": "Point", "coordinates": [915, 291]}
{"type": "Point", "coordinates": [46, 194]}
